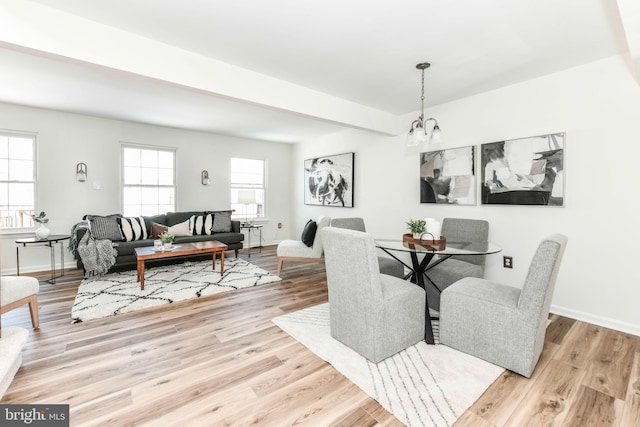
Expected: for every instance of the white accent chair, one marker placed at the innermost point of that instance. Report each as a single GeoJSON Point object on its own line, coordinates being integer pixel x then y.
{"type": "Point", "coordinates": [12, 342]}
{"type": "Point", "coordinates": [502, 324]}
{"type": "Point", "coordinates": [17, 291]}
{"type": "Point", "coordinates": [374, 314]}
{"type": "Point", "coordinates": [297, 251]}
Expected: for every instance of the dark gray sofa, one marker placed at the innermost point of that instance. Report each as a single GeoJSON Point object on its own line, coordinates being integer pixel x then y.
{"type": "Point", "coordinates": [126, 258]}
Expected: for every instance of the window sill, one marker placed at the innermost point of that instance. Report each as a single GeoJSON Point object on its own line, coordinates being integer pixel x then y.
{"type": "Point", "coordinates": [16, 232]}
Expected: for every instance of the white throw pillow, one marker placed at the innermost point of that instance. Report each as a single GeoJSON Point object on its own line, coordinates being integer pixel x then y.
{"type": "Point", "coordinates": [181, 229]}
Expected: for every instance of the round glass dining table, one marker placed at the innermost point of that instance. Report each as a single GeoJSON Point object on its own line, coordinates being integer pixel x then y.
{"type": "Point", "coordinates": [424, 257]}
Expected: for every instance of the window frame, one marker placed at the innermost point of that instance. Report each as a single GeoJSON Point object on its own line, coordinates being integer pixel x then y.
{"type": "Point", "coordinates": [239, 214]}
{"type": "Point", "coordinates": [123, 185]}
{"type": "Point", "coordinates": [31, 225]}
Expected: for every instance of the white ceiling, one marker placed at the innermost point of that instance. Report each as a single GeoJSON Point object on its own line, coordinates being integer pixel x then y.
{"type": "Point", "coordinates": [287, 70]}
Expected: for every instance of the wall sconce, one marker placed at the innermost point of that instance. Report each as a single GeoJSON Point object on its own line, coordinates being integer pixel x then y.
{"type": "Point", "coordinates": [81, 172]}
{"type": "Point", "coordinates": [205, 178]}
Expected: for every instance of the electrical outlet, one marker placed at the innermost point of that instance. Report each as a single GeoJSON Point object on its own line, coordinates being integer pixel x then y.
{"type": "Point", "coordinates": [507, 262]}
{"type": "Point", "coordinates": [279, 225]}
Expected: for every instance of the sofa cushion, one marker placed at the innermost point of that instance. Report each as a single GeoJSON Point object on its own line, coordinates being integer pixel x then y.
{"type": "Point", "coordinates": [309, 233]}
{"type": "Point", "coordinates": [226, 238]}
{"type": "Point", "coordinates": [104, 227]}
{"type": "Point", "coordinates": [221, 222]}
{"type": "Point", "coordinates": [201, 224]}
{"type": "Point", "coordinates": [133, 228]}
{"type": "Point", "coordinates": [174, 218]}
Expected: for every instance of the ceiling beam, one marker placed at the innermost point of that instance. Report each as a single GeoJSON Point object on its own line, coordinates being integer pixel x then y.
{"type": "Point", "coordinates": [38, 29]}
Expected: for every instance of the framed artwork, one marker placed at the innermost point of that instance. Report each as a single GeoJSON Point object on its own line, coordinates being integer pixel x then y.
{"type": "Point", "coordinates": [525, 171]}
{"type": "Point", "coordinates": [328, 181]}
{"type": "Point", "coordinates": [448, 176]}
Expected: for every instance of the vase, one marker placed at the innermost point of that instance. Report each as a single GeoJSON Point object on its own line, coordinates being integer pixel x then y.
{"type": "Point", "coordinates": [434, 228]}
{"type": "Point", "coordinates": [417, 235]}
{"type": "Point", "coordinates": [42, 232]}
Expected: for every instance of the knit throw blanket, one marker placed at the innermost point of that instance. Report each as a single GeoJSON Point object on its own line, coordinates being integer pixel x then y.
{"type": "Point", "coordinates": [98, 256]}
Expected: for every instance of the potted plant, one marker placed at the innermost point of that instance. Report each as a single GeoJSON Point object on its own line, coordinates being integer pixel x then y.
{"type": "Point", "coordinates": [417, 227]}
{"type": "Point", "coordinates": [167, 239]}
{"type": "Point", "coordinates": [43, 231]}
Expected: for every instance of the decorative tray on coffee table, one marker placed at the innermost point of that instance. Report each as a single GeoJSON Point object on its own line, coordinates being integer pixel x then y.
{"type": "Point", "coordinates": [161, 249]}
{"type": "Point", "coordinates": [436, 245]}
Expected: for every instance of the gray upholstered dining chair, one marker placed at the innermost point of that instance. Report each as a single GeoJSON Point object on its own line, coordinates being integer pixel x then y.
{"type": "Point", "coordinates": [387, 265]}
{"type": "Point", "coordinates": [375, 314]}
{"type": "Point", "coordinates": [502, 324]}
{"type": "Point", "coordinates": [298, 251]}
{"type": "Point", "coordinates": [473, 231]}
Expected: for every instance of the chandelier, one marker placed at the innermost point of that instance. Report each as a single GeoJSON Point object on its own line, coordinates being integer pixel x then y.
{"type": "Point", "coordinates": [418, 132]}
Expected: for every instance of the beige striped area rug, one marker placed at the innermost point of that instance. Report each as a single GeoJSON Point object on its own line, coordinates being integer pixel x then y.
{"type": "Point", "coordinates": [425, 385]}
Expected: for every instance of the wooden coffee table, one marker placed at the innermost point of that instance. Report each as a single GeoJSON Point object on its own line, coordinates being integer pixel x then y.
{"type": "Point", "coordinates": [147, 253]}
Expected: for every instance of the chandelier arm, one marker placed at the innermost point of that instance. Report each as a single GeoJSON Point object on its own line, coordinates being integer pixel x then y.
{"type": "Point", "coordinates": [429, 119]}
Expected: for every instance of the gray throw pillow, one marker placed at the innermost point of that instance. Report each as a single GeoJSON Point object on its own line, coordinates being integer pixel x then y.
{"type": "Point", "coordinates": [221, 222]}
{"type": "Point", "coordinates": [104, 227]}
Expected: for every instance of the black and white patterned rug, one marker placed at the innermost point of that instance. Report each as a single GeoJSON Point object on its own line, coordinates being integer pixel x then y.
{"type": "Point", "coordinates": [117, 293]}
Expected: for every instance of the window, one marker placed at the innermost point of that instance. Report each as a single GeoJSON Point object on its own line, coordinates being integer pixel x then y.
{"type": "Point", "coordinates": [247, 188]}
{"type": "Point", "coordinates": [148, 177]}
{"type": "Point", "coordinates": [17, 180]}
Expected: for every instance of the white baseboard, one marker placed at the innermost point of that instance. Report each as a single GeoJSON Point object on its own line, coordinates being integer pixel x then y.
{"type": "Point", "coordinates": [606, 322]}
{"type": "Point", "coordinates": [254, 244]}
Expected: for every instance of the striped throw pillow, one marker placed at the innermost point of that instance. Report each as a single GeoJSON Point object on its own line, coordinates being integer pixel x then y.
{"type": "Point", "coordinates": [201, 224]}
{"type": "Point", "coordinates": [132, 228]}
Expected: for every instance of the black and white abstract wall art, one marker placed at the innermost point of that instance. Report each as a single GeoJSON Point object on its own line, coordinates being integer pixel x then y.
{"type": "Point", "coordinates": [525, 171]}
{"type": "Point", "coordinates": [448, 176]}
{"type": "Point", "coordinates": [328, 181]}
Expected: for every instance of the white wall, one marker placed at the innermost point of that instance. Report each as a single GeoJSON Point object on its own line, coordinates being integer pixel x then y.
{"type": "Point", "coordinates": [598, 106]}
{"type": "Point", "coordinates": [65, 139]}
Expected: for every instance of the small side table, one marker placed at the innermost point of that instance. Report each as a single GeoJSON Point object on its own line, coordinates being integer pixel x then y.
{"type": "Point", "coordinates": [251, 227]}
{"type": "Point", "coordinates": [49, 241]}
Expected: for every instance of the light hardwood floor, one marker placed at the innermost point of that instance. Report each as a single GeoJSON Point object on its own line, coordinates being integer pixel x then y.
{"type": "Point", "coordinates": [221, 361]}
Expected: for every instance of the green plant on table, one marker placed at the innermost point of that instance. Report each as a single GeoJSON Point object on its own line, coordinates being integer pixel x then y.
{"type": "Point", "coordinates": [166, 237]}
{"type": "Point", "coordinates": [40, 218]}
{"type": "Point", "coordinates": [417, 226]}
